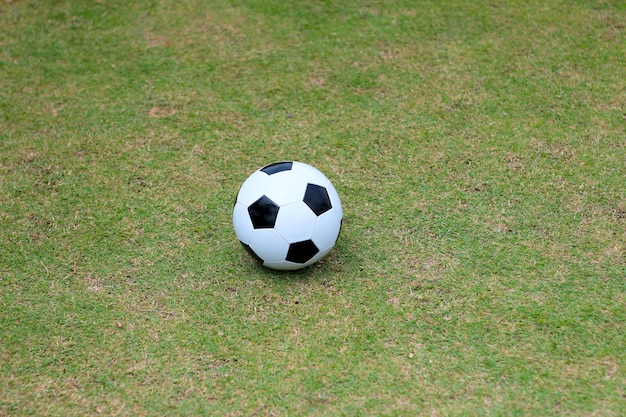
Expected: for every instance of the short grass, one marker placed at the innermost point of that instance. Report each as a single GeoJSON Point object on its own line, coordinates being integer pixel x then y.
{"type": "Point", "coordinates": [480, 152]}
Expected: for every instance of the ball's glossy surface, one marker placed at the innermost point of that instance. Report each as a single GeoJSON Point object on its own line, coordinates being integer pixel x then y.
{"type": "Point", "coordinates": [287, 215]}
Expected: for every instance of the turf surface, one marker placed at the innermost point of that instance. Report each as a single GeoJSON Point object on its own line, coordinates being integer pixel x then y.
{"type": "Point", "coordinates": [479, 149]}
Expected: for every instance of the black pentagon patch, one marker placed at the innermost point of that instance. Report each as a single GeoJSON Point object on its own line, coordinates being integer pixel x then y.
{"type": "Point", "coordinates": [316, 197]}
{"type": "Point", "coordinates": [302, 252]}
{"type": "Point", "coordinates": [263, 213]}
{"type": "Point", "coordinates": [251, 252]}
{"type": "Point", "coordinates": [277, 167]}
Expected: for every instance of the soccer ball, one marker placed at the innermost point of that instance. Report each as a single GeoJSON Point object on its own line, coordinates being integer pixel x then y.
{"type": "Point", "coordinates": [287, 215]}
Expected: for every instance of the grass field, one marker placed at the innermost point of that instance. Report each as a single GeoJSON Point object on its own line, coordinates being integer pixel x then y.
{"type": "Point", "coordinates": [479, 149]}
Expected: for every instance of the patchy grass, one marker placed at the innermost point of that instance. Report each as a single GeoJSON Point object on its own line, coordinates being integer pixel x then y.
{"type": "Point", "coordinates": [479, 152]}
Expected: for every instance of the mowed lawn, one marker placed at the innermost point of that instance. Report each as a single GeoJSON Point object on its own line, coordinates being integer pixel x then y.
{"type": "Point", "coordinates": [479, 149]}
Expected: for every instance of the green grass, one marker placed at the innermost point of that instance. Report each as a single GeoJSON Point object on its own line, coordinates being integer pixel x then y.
{"type": "Point", "coordinates": [479, 149]}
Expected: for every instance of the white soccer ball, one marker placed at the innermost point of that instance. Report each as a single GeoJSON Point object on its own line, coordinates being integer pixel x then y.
{"type": "Point", "coordinates": [287, 215]}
